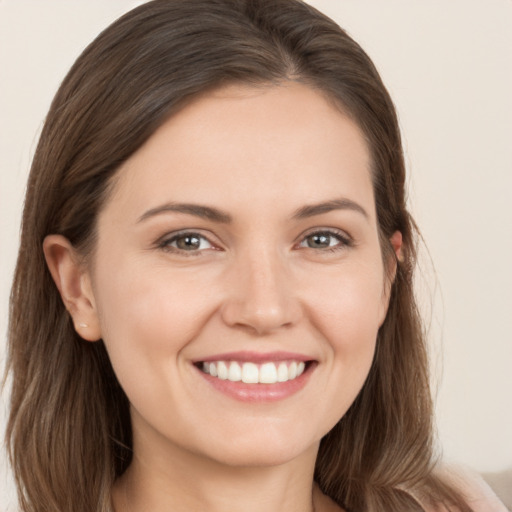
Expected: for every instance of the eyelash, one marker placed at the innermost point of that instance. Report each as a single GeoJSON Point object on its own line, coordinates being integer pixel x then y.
{"type": "Point", "coordinates": [165, 243]}
{"type": "Point", "coordinates": [345, 241]}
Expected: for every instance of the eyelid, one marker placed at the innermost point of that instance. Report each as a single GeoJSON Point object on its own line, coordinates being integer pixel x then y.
{"type": "Point", "coordinates": [345, 239]}
{"type": "Point", "coordinates": [164, 242]}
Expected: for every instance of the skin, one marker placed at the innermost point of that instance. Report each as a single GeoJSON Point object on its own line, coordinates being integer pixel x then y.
{"type": "Point", "coordinates": [257, 283]}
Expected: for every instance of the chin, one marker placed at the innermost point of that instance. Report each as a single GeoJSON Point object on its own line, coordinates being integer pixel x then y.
{"type": "Point", "coordinates": [266, 451]}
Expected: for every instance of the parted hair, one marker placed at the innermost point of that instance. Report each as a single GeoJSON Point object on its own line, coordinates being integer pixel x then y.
{"type": "Point", "coordinates": [69, 433]}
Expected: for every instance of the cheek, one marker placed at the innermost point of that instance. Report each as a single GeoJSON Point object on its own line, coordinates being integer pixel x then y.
{"type": "Point", "coordinates": [148, 318]}
{"type": "Point", "coordinates": [350, 306]}
{"type": "Point", "coordinates": [349, 316]}
{"type": "Point", "coordinates": [149, 321]}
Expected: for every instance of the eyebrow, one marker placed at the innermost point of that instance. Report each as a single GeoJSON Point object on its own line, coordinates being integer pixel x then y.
{"type": "Point", "coordinates": [205, 212]}
{"type": "Point", "coordinates": [216, 215]}
{"type": "Point", "coordinates": [328, 206]}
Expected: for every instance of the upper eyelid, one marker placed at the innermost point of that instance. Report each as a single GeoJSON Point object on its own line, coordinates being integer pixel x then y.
{"type": "Point", "coordinates": [171, 236]}
{"type": "Point", "coordinates": [187, 231]}
{"type": "Point", "coordinates": [331, 231]}
{"type": "Point", "coordinates": [168, 237]}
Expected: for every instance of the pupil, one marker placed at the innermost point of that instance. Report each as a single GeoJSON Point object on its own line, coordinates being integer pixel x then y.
{"type": "Point", "coordinates": [319, 241]}
{"type": "Point", "coordinates": [188, 242]}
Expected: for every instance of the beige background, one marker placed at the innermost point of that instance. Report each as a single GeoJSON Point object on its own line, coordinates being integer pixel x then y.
{"type": "Point", "coordinates": [448, 65]}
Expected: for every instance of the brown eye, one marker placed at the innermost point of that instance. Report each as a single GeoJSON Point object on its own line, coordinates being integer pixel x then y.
{"type": "Point", "coordinates": [187, 242]}
{"type": "Point", "coordinates": [325, 240]}
{"type": "Point", "coordinates": [319, 241]}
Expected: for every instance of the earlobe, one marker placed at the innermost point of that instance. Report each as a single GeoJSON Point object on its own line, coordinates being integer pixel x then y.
{"type": "Point", "coordinates": [74, 285]}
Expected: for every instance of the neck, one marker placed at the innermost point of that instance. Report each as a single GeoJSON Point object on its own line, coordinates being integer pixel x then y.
{"type": "Point", "coordinates": [177, 480]}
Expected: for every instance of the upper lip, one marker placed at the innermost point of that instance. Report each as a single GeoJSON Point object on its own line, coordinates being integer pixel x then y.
{"type": "Point", "coordinates": [256, 357]}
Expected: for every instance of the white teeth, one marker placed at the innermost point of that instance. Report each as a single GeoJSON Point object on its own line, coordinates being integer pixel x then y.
{"type": "Point", "coordinates": [268, 373]}
{"type": "Point", "coordinates": [282, 372]}
{"type": "Point", "coordinates": [251, 373]}
{"type": "Point", "coordinates": [292, 371]}
{"type": "Point", "coordinates": [235, 372]}
{"type": "Point", "coordinates": [222, 370]}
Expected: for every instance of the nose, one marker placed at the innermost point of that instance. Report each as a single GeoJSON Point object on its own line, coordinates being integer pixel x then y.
{"type": "Point", "coordinates": [261, 296]}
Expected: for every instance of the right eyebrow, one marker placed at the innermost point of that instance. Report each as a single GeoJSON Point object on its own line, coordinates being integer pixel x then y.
{"type": "Point", "coordinates": [198, 210]}
{"type": "Point", "coordinates": [327, 206]}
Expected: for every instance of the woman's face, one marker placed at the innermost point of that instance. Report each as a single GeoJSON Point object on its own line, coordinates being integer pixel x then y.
{"type": "Point", "coordinates": [241, 242]}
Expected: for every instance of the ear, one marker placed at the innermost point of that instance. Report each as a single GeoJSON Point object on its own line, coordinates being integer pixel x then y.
{"type": "Point", "coordinates": [396, 242]}
{"type": "Point", "coordinates": [393, 259]}
{"type": "Point", "coordinates": [74, 284]}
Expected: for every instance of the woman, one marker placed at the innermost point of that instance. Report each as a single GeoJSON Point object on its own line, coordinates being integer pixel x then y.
{"type": "Point", "coordinates": [222, 312]}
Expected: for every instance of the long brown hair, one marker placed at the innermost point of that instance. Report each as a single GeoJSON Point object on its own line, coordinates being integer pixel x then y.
{"type": "Point", "coordinates": [69, 433]}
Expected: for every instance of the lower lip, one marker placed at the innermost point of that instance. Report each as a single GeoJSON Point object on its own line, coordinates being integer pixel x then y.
{"type": "Point", "coordinates": [260, 392]}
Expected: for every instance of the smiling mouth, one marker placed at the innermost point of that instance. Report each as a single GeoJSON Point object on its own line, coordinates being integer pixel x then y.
{"type": "Point", "coordinates": [252, 373]}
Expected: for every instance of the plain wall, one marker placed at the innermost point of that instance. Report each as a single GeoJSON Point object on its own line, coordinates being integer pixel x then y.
{"type": "Point", "coordinates": [448, 66]}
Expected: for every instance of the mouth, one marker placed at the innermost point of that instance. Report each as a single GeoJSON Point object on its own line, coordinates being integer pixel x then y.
{"type": "Point", "coordinates": [270, 372]}
{"type": "Point", "coordinates": [253, 377]}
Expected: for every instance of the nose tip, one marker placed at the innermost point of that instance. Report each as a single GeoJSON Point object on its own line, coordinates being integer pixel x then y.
{"type": "Point", "coordinates": [261, 302]}
{"type": "Point", "coordinates": [259, 320]}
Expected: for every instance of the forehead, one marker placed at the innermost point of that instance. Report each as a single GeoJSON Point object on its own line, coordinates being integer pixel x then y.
{"type": "Point", "coordinates": [281, 144]}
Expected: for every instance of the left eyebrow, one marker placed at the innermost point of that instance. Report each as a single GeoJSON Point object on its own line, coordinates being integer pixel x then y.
{"type": "Point", "coordinates": [205, 212]}
{"type": "Point", "coordinates": [328, 206]}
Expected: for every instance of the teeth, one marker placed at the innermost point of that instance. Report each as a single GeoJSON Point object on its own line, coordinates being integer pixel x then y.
{"type": "Point", "coordinates": [235, 372]}
{"type": "Point", "coordinates": [251, 373]}
{"type": "Point", "coordinates": [268, 373]}
{"type": "Point", "coordinates": [222, 370]}
{"type": "Point", "coordinates": [292, 371]}
{"type": "Point", "coordinates": [282, 372]}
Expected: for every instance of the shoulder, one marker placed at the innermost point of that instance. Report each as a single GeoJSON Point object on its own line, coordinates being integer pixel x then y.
{"type": "Point", "coordinates": [479, 496]}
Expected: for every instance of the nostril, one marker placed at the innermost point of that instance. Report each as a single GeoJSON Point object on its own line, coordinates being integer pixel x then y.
{"type": "Point", "coordinates": [260, 319]}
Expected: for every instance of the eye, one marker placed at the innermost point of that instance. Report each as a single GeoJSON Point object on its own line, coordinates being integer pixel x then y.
{"type": "Point", "coordinates": [186, 242]}
{"type": "Point", "coordinates": [325, 240]}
